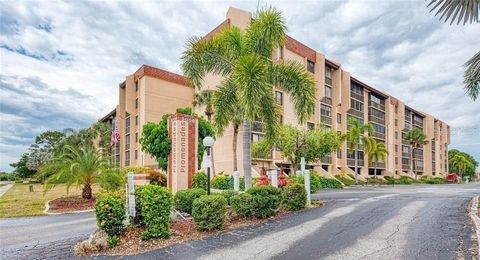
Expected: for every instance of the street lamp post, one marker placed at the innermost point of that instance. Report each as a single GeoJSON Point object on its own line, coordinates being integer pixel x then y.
{"type": "Point", "coordinates": [208, 143]}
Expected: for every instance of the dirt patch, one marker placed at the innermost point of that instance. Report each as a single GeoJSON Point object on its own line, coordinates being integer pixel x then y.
{"type": "Point", "coordinates": [69, 204]}
{"type": "Point", "coordinates": [182, 230]}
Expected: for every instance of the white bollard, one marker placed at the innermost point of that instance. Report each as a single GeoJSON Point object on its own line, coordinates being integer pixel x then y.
{"type": "Point", "coordinates": [306, 180]}
{"type": "Point", "coordinates": [236, 181]}
{"type": "Point", "coordinates": [274, 178]}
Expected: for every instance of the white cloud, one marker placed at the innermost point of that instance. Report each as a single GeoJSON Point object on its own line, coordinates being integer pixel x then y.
{"type": "Point", "coordinates": [82, 50]}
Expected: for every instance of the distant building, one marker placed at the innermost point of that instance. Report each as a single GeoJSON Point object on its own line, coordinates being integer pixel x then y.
{"type": "Point", "coordinates": [150, 92]}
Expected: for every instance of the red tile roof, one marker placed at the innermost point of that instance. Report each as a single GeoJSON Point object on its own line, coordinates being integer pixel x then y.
{"type": "Point", "coordinates": [300, 49]}
{"type": "Point", "coordinates": [146, 70]}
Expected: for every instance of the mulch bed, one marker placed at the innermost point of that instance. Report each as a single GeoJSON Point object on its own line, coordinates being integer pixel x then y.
{"type": "Point", "coordinates": [181, 231]}
{"type": "Point", "coordinates": [69, 204]}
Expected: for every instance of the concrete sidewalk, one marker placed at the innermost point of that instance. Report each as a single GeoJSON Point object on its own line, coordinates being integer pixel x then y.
{"type": "Point", "coordinates": [5, 188]}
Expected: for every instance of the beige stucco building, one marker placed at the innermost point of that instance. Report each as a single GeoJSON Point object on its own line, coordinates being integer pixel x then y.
{"type": "Point", "coordinates": [150, 92]}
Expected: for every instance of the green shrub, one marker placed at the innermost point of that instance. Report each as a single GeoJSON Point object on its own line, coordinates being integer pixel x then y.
{"type": "Point", "coordinates": [432, 180]}
{"type": "Point", "coordinates": [345, 180]}
{"type": "Point", "coordinates": [209, 212]}
{"type": "Point", "coordinates": [374, 181]}
{"type": "Point", "coordinates": [294, 196]}
{"type": "Point", "coordinates": [156, 205]}
{"type": "Point", "coordinates": [243, 204]}
{"type": "Point", "coordinates": [315, 184]}
{"type": "Point", "coordinates": [228, 194]}
{"type": "Point", "coordinates": [265, 201]}
{"type": "Point", "coordinates": [184, 199]}
{"type": "Point", "coordinates": [199, 180]}
{"type": "Point", "coordinates": [113, 241]}
{"type": "Point", "coordinates": [328, 183]}
{"type": "Point", "coordinates": [8, 177]}
{"type": "Point", "coordinates": [221, 182]}
{"type": "Point", "coordinates": [389, 180]}
{"type": "Point", "coordinates": [110, 213]}
{"type": "Point", "coordinates": [138, 219]}
{"type": "Point", "coordinates": [112, 180]}
{"type": "Point", "coordinates": [405, 180]}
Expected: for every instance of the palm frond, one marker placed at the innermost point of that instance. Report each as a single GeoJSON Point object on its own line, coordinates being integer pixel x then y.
{"type": "Point", "coordinates": [294, 79]}
{"type": "Point", "coordinates": [266, 32]}
{"type": "Point", "coordinates": [456, 10]}
{"type": "Point", "coordinates": [472, 76]}
{"type": "Point", "coordinates": [225, 104]}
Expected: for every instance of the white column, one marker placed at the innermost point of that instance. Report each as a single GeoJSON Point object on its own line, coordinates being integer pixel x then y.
{"type": "Point", "coordinates": [306, 179]}
{"type": "Point", "coordinates": [274, 178]}
{"type": "Point", "coordinates": [236, 181]}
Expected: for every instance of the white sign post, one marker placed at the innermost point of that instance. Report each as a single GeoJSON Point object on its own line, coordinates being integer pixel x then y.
{"type": "Point", "coordinates": [306, 179]}
{"type": "Point", "coordinates": [274, 178]}
{"type": "Point", "coordinates": [131, 195]}
{"type": "Point", "coordinates": [236, 181]}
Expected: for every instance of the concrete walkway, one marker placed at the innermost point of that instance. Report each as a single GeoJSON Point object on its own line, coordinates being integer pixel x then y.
{"type": "Point", "coordinates": [5, 188]}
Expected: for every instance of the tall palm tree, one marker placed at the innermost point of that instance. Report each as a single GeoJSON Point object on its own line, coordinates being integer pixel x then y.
{"type": "Point", "coordinates": [79, 166]}
{"type": "Point", "coordinates": [356, 134]}
{"type": "Point", "coordinates": [205, 98]}
{"type": "Point", "coordinates": [375, 152]}
{"type": "Point", "coordinates": [468, 11]}
{"type": "Point", "coordinates": [243, 58]}
{"type": "Point", "coordinates": [416, 138]}
{"type": "Point", "coordinates": [461, 163]}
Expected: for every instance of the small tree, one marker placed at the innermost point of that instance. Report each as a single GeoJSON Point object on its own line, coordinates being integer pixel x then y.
{"type": "Point", "coordinates": [417, 139]}
{"type": "Point", "coordinates": [356, 134]}
{"type": "Point", "coordinates": [375, 152]}
{"type": "Point", "coordinates": [460, 162]}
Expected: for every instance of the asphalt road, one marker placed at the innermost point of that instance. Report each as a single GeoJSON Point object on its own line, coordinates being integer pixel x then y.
{"type": "Point", "coordinates": [405, 222]}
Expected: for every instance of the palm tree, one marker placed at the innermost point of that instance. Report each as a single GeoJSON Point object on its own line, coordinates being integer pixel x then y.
{"type": "Point", "coordinates": [375, 152]}
{"type": "Point", "coordinates": [468, 11]}
{"type": "Point", "coordinates": [205, 98]}
{"type": "Point", "coordinates": [417, 139]}
{"type": "Point", "coordinates": [356, 134]}
{"type": "Point", "coordinates": [79, 166]}
{"type": "Point", "coordinates": [243, 58]}
{"type": "Point", "coordinates": [460, 162]}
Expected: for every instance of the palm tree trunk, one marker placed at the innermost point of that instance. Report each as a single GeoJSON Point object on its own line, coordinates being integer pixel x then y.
{"type": "Point", "coordinates": [234, 146]}
{"type": "Point", "coordinates": [247, 160]}
{"type": "Point", "coordinates": [411, 161]}
{"type": "Point", "coordinates": [87, 191]}
{"type": "Point", "coordinates": [356, 165]}
{"type": "Point", "coordinates": [375, 174]}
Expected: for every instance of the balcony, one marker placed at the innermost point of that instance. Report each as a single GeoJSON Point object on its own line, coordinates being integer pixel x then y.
{"type": "Point", "coordinates": [327, 100]}
{"type": "Point", "coordinates": [376, 105]}
{"type": "Point", "coordinates": [326, 120]}
{"type": "Point", "coordinates": [405, 155]}
{"type": "Point", "coordinates": [405, 166]}
{"type": "Point", "coordinates": [380, 165]}
{"type": "Point", "coordinates": [328, 81]}
{"type": "Point", "coordinates": [357, 96]}
{"type": "Point", "coordinates": [327, 160]}
{"type": "Point", "coordinates": [257, 127]}
{"type": "Point", "coordinates": [351, 162]}
{"type": "Point", "coordinates": [379, 135]}
{"type": "Point", "coordinates": [405, 142]}
{"type": "Point", "coordinates": [376, 120]}
{"type": "Point", "coordinates": [355, 112]}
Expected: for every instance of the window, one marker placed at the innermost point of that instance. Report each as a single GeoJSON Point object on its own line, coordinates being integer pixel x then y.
{"type": "Point", "coordinates": [339, 153]}
{"type": "Point", "coordinates": [127, 141]}
{"type": "Point", "coordinates": [127, 124]}
{"type": "Point", "coordinates": [136, 137]}
{"type": "Point", "coordinates": [396, 122]}
{"type": "Point", "coordinates": [127, 158]}
{"type": "Point", "coordinates": [328, 92]}
{"type": "Point", "coordinates": [279, 97]}
{"type": "Point", "coordinates": [256, 137]}
{"type": "Point", "coordinates": [136, 85]}
{"type": "Point", "coordinates": [396, 160]}
{"type": "Point", "coordinates": [405, 149]}
{"type": "Point", "coordinates": [280, 52]}
{"type": "Point", "coordinates": [378, 128]}
{"type": "Point", "coordinates": [376, 99]}
{"type": "Point", "coordinates": [357, 105]}
{"type": "Point", "coordinates": [396, 148]}
{"type": "Point", "coordinates": [396, 109]}
{"type": "Point", "coordinates": [396, 135]}
{"type": "Point", "coordinates": [325, 110]}
{"type": "Point", "coordinates": [311, 66]}
{"type": "Point", "coordinates": [328, 75]}
{"type": "Point", "coordinates": [355, 88]}
{"type": "Point", "coordinates": [310, 126]}
{"type": "Point", "coordinates": [136, 120]}
{"type": "Point", "coordinates": [339, 118]}
{"type": "Point", "coordinates": [136, 103]}
{"type": "Point", "coordinates": [136, 154]}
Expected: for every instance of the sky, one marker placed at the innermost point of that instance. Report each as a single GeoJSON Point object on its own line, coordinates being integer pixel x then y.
{"type": "Point", "coordinates": [61, 61]}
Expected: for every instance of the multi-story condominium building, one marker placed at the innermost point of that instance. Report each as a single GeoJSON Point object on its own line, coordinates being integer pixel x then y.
{"type": "Point", "coordinates": [150, 92]}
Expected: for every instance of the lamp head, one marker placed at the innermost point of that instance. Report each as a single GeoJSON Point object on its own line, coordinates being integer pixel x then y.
{"type": "Point", "coordinates": [208, 141]}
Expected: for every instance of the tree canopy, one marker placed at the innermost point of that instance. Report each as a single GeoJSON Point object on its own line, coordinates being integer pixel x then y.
{"type": "Point", "coordinates": [453, 156]}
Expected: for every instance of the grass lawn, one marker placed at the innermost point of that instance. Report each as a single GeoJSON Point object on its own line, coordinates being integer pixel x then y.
{"type": "Point", "coordinates": [19, 201]}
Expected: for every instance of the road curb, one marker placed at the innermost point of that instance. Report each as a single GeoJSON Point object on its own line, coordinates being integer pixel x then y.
{"type": "Point", "coordinates": [476, 221]}
{"type": "Point", "coordinates": [47, 207]}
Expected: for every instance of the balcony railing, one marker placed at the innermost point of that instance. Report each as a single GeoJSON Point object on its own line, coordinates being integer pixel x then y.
{"type": "Point", "coordinates": [405, 142]}
{"type": "Point", "coordinates": [376, 105]}
{"type": "Point", "coordinates": [405, 155]}
{"type": "Point", "coordinates": [405, 166]}
{"type": "Point", "coordinates": [328, 81]}
{"type": "Point", "coordinates": [355, 112]}
{"type": "Point", "coordinates": [327, 159]}
{"type": "Point", "coordinates": [376, 120]}
{"type": "Point", "coordinates": [357, 96]}
{"type": "Point", "coordinates": [351, 162]}
{"type": "Point", "coordinates": [379, 135]}
{"type": "Point", "coordinates": [378, 164]}
{"type": "Point", "coordinates": [327, 100]}
{"type": "Point", "coordinates": [326, 120]}
{"type": "Point", "coordinates": [257, 127]}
